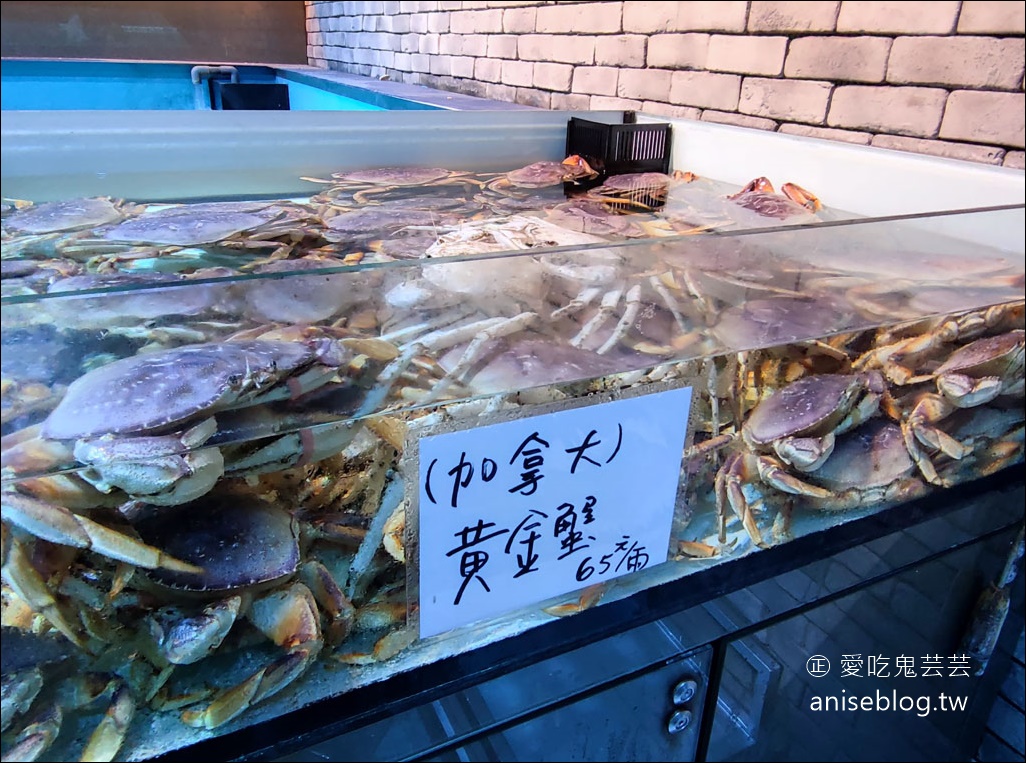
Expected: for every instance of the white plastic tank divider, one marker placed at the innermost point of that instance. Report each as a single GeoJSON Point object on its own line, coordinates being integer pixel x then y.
{"type": "Point", "coordinates": [171, 155]}
{"type": "Point", "coordinates": [869, 181]}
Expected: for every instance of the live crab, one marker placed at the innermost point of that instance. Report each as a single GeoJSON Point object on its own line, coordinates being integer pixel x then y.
{"type": "Point", "coordinates": [792, 430]}
{"type": "Point", "coordinates": [159, 449]}
{"type": "Point", "coordinates": [603, 297]}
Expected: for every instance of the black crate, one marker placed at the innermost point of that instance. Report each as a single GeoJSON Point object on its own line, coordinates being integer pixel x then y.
{"type": "Point", "coordinates": [255, 96]}
{"type": "Point", "coordinates": [616, 149]}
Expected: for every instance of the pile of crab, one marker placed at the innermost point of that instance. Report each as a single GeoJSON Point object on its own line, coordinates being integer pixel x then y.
{"type": "Point", "coordinates": [196, 537]}
{"type": "Point", "coordinates": [95, 279]}
{"type": "Point", "coordinates": [386, 212]}
{"type": "Point", "coordinates": [863, 420]}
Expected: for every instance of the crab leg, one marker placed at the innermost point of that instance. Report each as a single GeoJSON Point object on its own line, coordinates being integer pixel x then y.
{"type": "Point", "coordinates": [30, 587]}
{"type": "Point", "coordinates": [340, 612]}
{"type": "Point", "coordinates": [19, 692]}
{"type": "Point", "coordinates": [109, 735]}
{"type": "Point", "coordinates": [661, 285]}
{"type": "Point", "coordinates": [290, 619]}
{"type": "Point", "coordinates": [728, 492]}
{"type": "Point", "coordinates": [919, 428]}
{"type": "Point", "coordinates": [606, 308]}
{"type": "Point", "coordinates": [362, 569]}
{"type": "Point", "coordinates": [190, 639]}
{"type": "Point", "coordinates": [58, 525]}
{"type": "Point", "coordinates": [586, 296]}
{"type": "Point", "coordinates": [479, 333]}
{"type": "Point", "coordinates": [740, 468]}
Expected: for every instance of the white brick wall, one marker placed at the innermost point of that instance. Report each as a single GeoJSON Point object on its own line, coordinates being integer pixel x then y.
{"type": "Point", "coordinates": [621, 50]}
{"type": "Point", "coordinates": [678, 51]}
{"type": "Point", "coordinates": [989, 17]}
{"type": "Point", "coordinates": [746, 55]}
{"type": "Point", "coordinates": [898, 17]}
{"type": "Point", "coordinates": [941, 77]}
{"type": "Point", "coordinates": [914, 111]}
{"type": "Point", "coordinates": [974, 62]}
{"type": "Point", "coordinates": [800, 100]}
{"type": "Point", "coordinates": [843, 59]}
{"type": "Point", "coordinates": [807, 16]}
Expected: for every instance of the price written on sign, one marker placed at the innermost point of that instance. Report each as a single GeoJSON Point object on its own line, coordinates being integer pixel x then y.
{"type": "Point", "coordinates": [515, 513]}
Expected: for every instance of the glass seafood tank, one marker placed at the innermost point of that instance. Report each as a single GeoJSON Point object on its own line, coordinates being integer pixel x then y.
{"type": "Point", "coordinates": [295, 405]}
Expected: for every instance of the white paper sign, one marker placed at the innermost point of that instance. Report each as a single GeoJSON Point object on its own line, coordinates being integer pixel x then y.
{"type": "Point", "coordinates": [515, 513]}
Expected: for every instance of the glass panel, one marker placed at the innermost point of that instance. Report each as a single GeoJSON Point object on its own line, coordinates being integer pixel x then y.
{"type": "Point", "coordinates": [484, 321]}
{"type": "Point", "coordinates": [529, 691]}
{"type": "Point", "coordinates": [899, 685]}
{"type": "Point", "coordinates": [655, 716]}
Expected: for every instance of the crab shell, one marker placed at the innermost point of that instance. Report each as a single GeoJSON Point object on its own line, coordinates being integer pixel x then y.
{"type": "Point", "coordinates": [999, 356]}
{"type": "Point", "coordinates": [373, 221]}
{"type": "Point", "coordinates": [760, 197]}
{"type": "Point", "coordinates": [300, 299]}
{"type": "Point", "coordinates": [394, 176]}
{"type": "Point", "coordinates": [546, 173]}
{"type": "Point", "coordinates": [55, 216]}
{"type": "Point", "coordinates": [874, 455]}
{"type": "Point", "coordinates": [238, 542]}
{"type": "Point", "coordinates": [637, 181]}
{"type": "Point", "coordinates": [812, 405]}
{"type": "Point", "coordinates": [591, 217]}
{"type": "Point", "coordinates": [132, 297]}
{"type": "Point", "coordinates": [161, 390]}
{"type": "Point", "coordinates": [194, 224]}
{"type": "Point", "coordinates": [525, 362]}
{"type": "Point", "coordinates": [779, 320]}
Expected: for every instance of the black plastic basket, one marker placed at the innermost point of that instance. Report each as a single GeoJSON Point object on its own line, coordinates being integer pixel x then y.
{"type": "Point", "coordinates": [253, 96]}
{"type": "Point", "coordinates": [616, 149]}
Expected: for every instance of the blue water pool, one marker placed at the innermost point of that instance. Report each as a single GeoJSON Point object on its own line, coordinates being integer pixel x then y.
{"type": "Point", "coordinates": [66, 84]}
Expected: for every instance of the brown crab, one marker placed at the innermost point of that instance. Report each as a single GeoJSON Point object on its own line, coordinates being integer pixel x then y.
{"type": "Point", "coordinates": [795, 428]}
{"type": "Point", "coordinates": [311, 289]}
{"type": "Point", "coordinates": [973, 375]}
{"type": "Point", "coordinates": [791, 203]}
{"type": "Point", "coordinates": [903, 352]}
{"type": "Point", "coordinates": [48, 228]}
{"type": "Point", "coordinates": [136, 304]}
{"type": "Point", "coordinates": [870, 466]}
{"type": "Point", "coordinates": [156, 446]}
{"type": "Point", "coordinates": [255, 566]}
{"type": "Point", "coordinates": [634, 190]}
{"type": "Point", "coordinates": [982, 370]}
{"type": "Point", "coordinates": [42, 683]}
{"type": "Point", "coordinates": [601, 297]}
{"type": "Point", "coordinates": [373, 222]}
{"type": "Point", "coordinates": [598, 219]}
{"type": "Point", "coordinates": [367, 184]}
{"type": "Point", "coordinates": [246, 225]}
{"type": "Point", "coordinates": [543, 174]}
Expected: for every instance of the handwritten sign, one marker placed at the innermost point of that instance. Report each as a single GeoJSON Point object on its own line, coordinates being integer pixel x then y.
{"type": "Point", "coordinates": [518, 512]}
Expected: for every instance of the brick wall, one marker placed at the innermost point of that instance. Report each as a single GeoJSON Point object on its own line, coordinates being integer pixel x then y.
{"type": "Point", "coordinates": [935, 77]}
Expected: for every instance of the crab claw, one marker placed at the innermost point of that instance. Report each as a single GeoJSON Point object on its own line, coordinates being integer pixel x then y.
{"type": "Point", "coordinates": [759, 185]}
{"type": "Point", "coordinates": [109, 735]}
{"type": "Point", "coordinates": [258, 686]}
{"type": "Point", "coordinates": [580, 165]}
{"type": "Point", "coordinates": [799, 195]}
{"type": "Point", "coordinates": [38, 736]}
{"type": "Point", "coordinates": [290, 619]}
